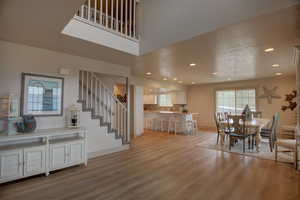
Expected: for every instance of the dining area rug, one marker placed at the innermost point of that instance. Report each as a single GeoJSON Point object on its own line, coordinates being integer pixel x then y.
{"type": "Point", "coordinates": [265, 153]}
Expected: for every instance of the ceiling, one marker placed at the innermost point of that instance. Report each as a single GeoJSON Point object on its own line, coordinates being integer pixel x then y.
{"type": "Point", "coordinates": [235, 51]}
{"type": "Point", "coordinates": [39, 23]}
{"type": "Point", "coordinates": [167, 22]}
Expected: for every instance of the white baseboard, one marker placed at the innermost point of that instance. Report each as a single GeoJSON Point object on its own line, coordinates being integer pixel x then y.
{"type": "Point", "coordinates": [108, 151]}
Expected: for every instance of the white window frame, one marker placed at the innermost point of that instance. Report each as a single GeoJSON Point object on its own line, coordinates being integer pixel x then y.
{"type": "Point", "coordinates": [235, 89]}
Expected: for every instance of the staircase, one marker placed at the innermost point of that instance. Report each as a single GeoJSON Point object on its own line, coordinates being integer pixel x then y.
{"type": "Point", "coordinates": [96, 98]}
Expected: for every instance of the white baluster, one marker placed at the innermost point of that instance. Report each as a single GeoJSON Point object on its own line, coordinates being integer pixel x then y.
{"type": "Point", "coordinates": [86, 89]}
{"type": "Point", "coordinates": [117, 118]}
{"type": "Point", "coordinates": [98, 100]}
{"type": "Point", "coordinates": [79, 81]}
{"type": "Point", "coordinates": [89, 10]}
{"type": "Point", "coordinates": [106, 14]}
{"type": "Point", "coordinates": [134, 18]}
{"type": "Point", "coordinates": [92, 92]}
{"type": "Point", "coordinates": [126, 17]}
{"type": "Point", "coordinates": [111, 109]}
{"type": "Point", "coordinates": [117, 16]}
{"type": "Point", "coordinates": [102, 100]}
{"type": "Point", "coordinates": [101, 12]}
{"type": "Point", "coordinates": [122, 8]}
{"type": "Point", "coordinates": [82, 11]}
{"type": "Point", "coordinates": [112, 14]}
{"type": "Point", "coordinates": [95, 11]}
{"type": "Point", "coordinates": [130, 16]}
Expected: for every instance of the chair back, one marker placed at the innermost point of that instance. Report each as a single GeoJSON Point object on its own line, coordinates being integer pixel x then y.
{"type": "Point", "coordinates": [257, 114]}
{"type": "Point", "coordinates": [217, 121]}
{"type": "Point", "coordinates": [237, 124]}
{"type": "Point", "coordinates": [274, 127]}
{"type": "Point", "coordinates": [219, 116]}
{"type": "Point", "coordinates": [226, 115]}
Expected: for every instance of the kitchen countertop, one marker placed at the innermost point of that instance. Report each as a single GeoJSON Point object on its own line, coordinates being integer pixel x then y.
{"type": "Point", "coordinates": [168, 112]}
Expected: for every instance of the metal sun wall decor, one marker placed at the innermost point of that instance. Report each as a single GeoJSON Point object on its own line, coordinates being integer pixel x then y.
{"type": "Point", "coordinates": [269, 94]}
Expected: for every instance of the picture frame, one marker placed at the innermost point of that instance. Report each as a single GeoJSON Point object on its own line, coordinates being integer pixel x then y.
{"type": "Point", "coordinates": [41, 95]}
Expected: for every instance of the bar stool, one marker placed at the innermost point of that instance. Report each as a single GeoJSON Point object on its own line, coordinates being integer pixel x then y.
{"type": "Point", "coordinates": [164, 125]}
{"type": "Point", "coordinates": [160, 124]}
{"type": "Point", "coordinates": [149, 124]}
{"type": "Point", "coordinates": [174, 125]}
{"type": "Point", "coordinates": [157, 124]}
{"type": "Point", "coordinates": [192, 127]}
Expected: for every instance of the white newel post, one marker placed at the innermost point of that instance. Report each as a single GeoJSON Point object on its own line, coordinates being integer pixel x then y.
{"type": "Point", "coordinates": [128, 110]}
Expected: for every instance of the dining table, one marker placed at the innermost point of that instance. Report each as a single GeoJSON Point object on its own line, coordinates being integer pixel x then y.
{"type": "Point", "coordinates": [255, 123]}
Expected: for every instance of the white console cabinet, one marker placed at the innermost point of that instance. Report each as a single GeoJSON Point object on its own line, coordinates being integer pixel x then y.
{"type": "Point", "coordinates": [66, 154]}
{"type": "Point", "coordinates": [26, 155]}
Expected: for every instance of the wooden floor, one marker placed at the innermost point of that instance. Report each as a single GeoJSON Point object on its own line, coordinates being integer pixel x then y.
{"type": "Point", "coordinates": [162, 167]}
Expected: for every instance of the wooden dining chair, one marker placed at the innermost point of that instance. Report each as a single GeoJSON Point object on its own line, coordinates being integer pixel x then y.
{"type": "Point", "coordinates": [220, 130]}
{"type": "Point", "coordinates": [271, 133]}
{"type": "Point", "coordinates": [237, 130]}
{"type": "Point", "coordinates": [284, 146]}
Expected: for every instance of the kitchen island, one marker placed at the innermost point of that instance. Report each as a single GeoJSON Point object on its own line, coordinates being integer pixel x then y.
{"type": "Point", "coordinates": [170, 121]}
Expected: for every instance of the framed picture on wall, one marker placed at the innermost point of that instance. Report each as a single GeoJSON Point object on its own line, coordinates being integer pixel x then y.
{"type": "Point", "coordinates": [41, 95]}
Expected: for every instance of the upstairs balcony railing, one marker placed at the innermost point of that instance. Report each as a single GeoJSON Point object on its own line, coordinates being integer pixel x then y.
{"type": "Point", "coordinates": [117, 16]}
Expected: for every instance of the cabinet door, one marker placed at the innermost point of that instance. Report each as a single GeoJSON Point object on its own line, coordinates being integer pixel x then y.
{"type": "Point", "coordinates": [150, 99]}
{"type": "Point", "coordinates": [58, 156]}
{"type": "Point", "coordinates": [11, 165]}
{"type": "Point", "coordinates": [34, 161]}
{"type": "Point", "coordinates": [76, 153]}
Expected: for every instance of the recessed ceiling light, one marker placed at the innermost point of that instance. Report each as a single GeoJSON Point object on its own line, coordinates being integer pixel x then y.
{"type": "Point", "coordinates": [214, 73]}
{"type": "Point", "coordinates": [148, 73]}
{"type": "Point", "coordinates": [278, 74]}
{"type": "Point", "coordinates": [180, 82]}
{"type": "Point", "coordinates": [275, 65]}
{"type": "Point", "coordinates": [175, 79]}
{"type": "Point", "coordinates": [269, 49]}
{"type": "Point", "coordinates": [193, 64]}
{"type": "Point", "coordinates": [165, 79]}
{"type": "Point", "coordinates": [193, 83]}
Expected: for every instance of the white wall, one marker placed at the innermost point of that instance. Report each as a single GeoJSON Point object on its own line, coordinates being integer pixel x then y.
{"type": "Point", "coordinates": [138, 102]}
{"type": "Point", "coordinates": [16, 58]}
{"type": "Point", "coordinates": [201, 99]}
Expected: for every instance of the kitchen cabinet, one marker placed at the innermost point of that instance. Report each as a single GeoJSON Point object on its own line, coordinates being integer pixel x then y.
{"type": "Point", "coordinates": [150, 99]}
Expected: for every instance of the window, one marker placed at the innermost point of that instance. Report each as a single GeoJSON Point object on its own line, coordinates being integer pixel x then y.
{"type": "Point", "coordinates": [165, 100]}
{"type": "Point", "coordinates": [235, 100]}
